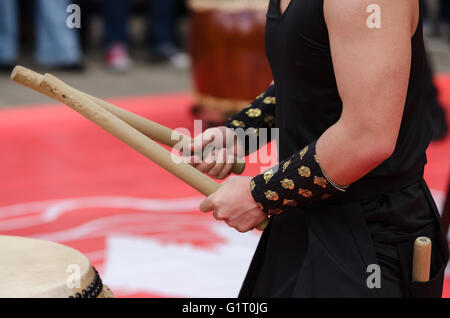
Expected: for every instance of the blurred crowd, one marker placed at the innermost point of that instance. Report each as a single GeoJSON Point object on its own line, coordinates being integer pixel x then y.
{"type": "Point", "coordinates": [57, 46]}
{"type": "Point", "coordinates": [437, 17]}
{"type": "Point", "coordinates": [60, 47]}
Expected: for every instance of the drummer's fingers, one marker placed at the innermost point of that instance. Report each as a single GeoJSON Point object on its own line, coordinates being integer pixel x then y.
{"type": "Point", "coordinates": [227, 168]}
{"type": "Point", "coordinates": [199, 143]}
{"type": "Point", "coordinates": [219, 164]}
{"type": "Point", "coordinates": [208, 204]}
{"type": "Point", "coordinates": [240, 224]}
{"type": "Point", "coordinates": [226, 171]}
{"type": "Point", "coordinates": [206, 165]}
{"type": "Point", "coordinates": [193, 160]}
{"type": "Point", "coordinates": [219, 215]}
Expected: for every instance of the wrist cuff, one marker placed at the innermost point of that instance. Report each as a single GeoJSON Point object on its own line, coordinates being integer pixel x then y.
{"type": "Point", "coordinates": [295, 182]}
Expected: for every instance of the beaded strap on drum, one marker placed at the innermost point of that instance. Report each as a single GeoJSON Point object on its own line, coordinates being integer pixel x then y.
{"type": "Point", "coordinates": [96, 289]}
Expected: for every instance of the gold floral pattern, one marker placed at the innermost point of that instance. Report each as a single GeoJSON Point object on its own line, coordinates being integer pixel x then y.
{"type": "Point", "coordinates": [238, 123]}
{"type": "Point", "coordinates": [321, 182]}
{"type": "Point", "coordinates": [283, 189]}
{"type": "Point", "coordinates": [303, 152]}
{"type": "Point", "coordinates": [268, 175]}
{"type": "Point", "coordinates": [269, 120]}
{"type": "Point", "coordinates": [271, 195]}
{"type": "Point", "coordinates": [254, 131]}
{"type": "Point", "coordinates": [316, 158]}
{"type": "Point", "coordinates": [286, 165]}
{"type": "Point", "coordinates": [291, 203]}
{"type": "Point", "coordinates": [275, 211]}
{"type": "Point", "coordinates": [253, 112]}
{"type": "Point", "coordinates": [260, 206]}
{"type": "Point", "coordinates": [304, 172]}
{"type": "Point", "coordinates": [252, 185]}
{"type": "Point", "coordinates": [305, 193]}
{"type": "Point", "coordinates": [288, 184]}
{"type": "Point", "coordinates": [270, 100]}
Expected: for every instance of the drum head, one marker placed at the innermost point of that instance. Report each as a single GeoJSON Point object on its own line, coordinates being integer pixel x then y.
{"type": "Point", "coordinates": [34, 268]}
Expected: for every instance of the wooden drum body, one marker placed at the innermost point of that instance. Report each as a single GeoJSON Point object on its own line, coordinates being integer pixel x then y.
{"type": "Point", "coordinates": [230, 67]}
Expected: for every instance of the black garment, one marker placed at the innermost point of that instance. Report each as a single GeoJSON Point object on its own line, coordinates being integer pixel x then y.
{"type": "Point", "coordinates": [323, 250]}
{"type": "Point", "coordinates": [259, 114]}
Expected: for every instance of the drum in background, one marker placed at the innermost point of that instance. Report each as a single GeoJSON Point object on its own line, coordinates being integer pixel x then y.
{"type": "Point", "coordinates": [39, 269]}
{"type": "Point", "coordinates": [229, 63]}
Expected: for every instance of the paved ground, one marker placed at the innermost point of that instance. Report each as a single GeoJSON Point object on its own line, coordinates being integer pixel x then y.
{"type": "Point", "coordinates": [145, 78]}
{"type": "Point", "coordinates": [440, 54]}
{"type": "Point", "coordinates": [142, 80]}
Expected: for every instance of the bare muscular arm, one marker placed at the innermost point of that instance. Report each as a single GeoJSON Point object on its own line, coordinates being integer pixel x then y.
{"type": "Point", "coordinates": [372, 68]}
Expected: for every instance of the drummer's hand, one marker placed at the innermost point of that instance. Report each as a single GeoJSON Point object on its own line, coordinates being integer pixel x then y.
{"type": "Point", "coordinates": [234, 204]}
{"type": "Point", "coordinates": [219, 162]}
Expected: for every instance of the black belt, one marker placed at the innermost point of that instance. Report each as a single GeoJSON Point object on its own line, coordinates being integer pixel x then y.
{"type": "Point", "coordinates": [370, 188]}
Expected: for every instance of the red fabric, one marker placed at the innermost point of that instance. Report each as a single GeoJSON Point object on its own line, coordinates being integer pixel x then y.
{"type": "Point", "coordinates": [51, 153]}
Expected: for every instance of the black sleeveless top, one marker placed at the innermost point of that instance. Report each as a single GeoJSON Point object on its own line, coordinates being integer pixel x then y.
{"type": "Point", "coordinates": [323, 250]}
{"type": "Point", "coordinates": [308, 101]}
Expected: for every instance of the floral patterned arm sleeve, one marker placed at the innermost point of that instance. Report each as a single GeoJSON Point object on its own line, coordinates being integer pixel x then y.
{"type": "Point", "coordinates": [259, 114]}
{"type": "Point", "coordinates": [297, 181]}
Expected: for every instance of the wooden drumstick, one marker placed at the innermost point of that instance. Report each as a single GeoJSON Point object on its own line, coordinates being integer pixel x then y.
{"type": "Point", "coordinates": [149, 128]}
{"type": "Point", "coordinates": [421, 259]}
{"type": "Point", "coordinates": [129, 135]}
{"type": "Point", "coordinates": [153, 130]}
{"type": "Point", "coordinates": [58, 90]}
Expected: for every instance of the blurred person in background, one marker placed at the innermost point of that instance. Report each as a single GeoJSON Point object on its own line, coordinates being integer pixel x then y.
{"type": "Point", "coordinates": [445, 5]}
{"type": "Point", "coordinates": [433, 13]}
{"type": "Point", "coordinates": [57, 46]}
{"type": "Point", "coordinates": [161, 29]}
{"type": "Point", "coordinates": [438, 16]}
{"type": "Point", "coordinates": [437, 111]}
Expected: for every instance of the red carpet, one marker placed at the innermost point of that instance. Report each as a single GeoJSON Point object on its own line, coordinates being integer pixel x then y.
{"type": "Point", "coordinates": [68, 181]}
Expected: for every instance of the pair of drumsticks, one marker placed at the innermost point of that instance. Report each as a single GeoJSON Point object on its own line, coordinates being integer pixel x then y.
{"type": "Point", "coordinates": [141, 134]}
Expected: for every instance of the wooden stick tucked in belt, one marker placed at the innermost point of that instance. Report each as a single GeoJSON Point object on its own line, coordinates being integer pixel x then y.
{"type": "Point", "coordinates": [421, 260]}
{"type": "Point", "coordinates": [149, 128]}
